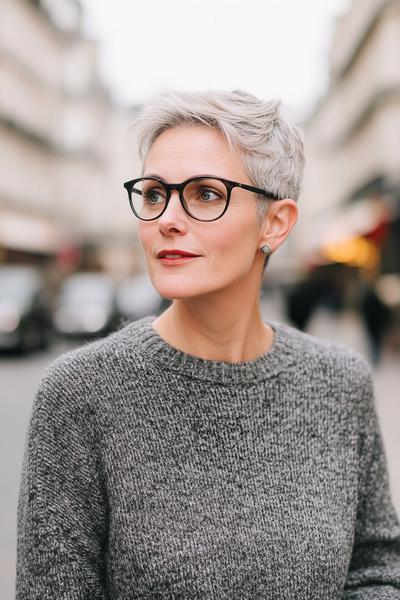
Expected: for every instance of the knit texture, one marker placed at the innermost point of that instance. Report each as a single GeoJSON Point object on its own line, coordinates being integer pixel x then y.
{"type": "Point", "coordinates": [150, 473]}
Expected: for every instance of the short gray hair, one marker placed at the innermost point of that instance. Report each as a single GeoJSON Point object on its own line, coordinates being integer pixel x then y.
{"type": "Point", "coordinates": [271, 148]}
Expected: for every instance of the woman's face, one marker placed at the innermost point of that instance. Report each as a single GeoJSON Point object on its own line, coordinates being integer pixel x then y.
{"type": "Point", "coordinates": [227, 249]}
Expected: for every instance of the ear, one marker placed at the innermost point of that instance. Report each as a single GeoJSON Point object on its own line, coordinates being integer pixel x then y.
{"type": "Point", "coordinates": [280, 219]}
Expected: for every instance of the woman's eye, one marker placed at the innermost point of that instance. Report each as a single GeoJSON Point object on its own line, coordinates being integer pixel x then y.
{"type": "Point", "coordinates": [153, 196]}
{"type": "Point", "coordinates": [207, 194]}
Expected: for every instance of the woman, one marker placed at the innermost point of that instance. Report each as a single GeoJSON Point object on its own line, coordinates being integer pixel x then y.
{"type": "Point", "coordinates": [206, 453]}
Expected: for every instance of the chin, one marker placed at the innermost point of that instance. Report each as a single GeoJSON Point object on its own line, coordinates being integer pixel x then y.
{"type": "Point", "coordinates": [176, 288]}
{"type": "Point", "coordinates": [178, 292]}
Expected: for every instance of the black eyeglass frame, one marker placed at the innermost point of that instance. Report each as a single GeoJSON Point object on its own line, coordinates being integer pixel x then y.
{"type": "Point", "coordinates": [230, 185]}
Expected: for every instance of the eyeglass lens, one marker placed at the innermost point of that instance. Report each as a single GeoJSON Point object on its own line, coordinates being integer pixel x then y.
{"type": "Point", "coordinates": [205, 199]}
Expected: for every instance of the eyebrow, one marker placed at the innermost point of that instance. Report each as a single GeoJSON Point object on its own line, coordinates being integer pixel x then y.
{"type": "Point", "coordinates": [200, 175]}
{"type": "Point", "coordinates": [153, 175]}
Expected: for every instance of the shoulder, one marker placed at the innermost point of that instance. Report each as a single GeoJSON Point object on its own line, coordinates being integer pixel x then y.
{"type": "Point", "coordinates": [314, 357]}
{"type": "Point", "coordinates": [86, 371]}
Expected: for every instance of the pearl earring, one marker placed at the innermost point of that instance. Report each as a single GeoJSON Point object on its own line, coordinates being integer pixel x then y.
{"type": "Point", "coordinates": [265, 249]}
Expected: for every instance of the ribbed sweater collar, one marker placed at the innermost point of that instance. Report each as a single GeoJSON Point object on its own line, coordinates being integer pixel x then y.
{"type": "Point", "coordinates": [166, 357]}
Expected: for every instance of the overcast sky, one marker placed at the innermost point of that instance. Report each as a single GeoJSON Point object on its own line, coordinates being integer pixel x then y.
{"type": "Point", "coordinates": [273, 48]}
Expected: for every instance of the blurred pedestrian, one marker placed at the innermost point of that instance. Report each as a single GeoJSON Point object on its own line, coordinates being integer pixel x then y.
{"type": "Point", "coordinates": [205, 453]}
{"type": "Point", "coordinates": [301, 301]}
{"type": "Point", "coordinates": [376, 316]}
{"type": "Point", "coordinates": [323, 286]}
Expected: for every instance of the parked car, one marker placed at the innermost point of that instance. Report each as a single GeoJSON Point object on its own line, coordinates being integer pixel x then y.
{"type": "Point", "coordinates": [86, 306]}
{"type": "Point", "coordinates": [137, 298]}
{"type": "Point", "coordinates": [25, 311]}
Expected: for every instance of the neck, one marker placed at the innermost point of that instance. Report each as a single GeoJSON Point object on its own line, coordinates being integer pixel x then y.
{"type": "Point", "coordinates": [219, 326]}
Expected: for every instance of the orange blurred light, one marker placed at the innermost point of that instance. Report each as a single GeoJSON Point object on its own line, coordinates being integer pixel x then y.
{"type": "Point", "coordinates": [356, 252]}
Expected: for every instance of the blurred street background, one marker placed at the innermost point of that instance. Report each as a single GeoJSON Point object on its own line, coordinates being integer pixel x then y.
{"type": "Point", "coordinates": [71, 267]}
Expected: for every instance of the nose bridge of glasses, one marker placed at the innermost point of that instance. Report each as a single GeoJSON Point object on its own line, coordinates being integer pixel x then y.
{"type": "Point", "coordinates": [174, 197]}
{"type": "Point", "coordinates": [175, 188]}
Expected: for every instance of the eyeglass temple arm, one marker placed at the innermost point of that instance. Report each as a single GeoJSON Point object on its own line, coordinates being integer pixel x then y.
{"type": "Point", "coordinates": [130, 189]}
{"type": "Point", "coordinates": [250, 188]}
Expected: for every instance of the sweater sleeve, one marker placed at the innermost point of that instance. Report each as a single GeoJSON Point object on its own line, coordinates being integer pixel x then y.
{"type": "Point", "coordinates": [62, 515]}
{"type": "Point", "coordinates": [374, 570]}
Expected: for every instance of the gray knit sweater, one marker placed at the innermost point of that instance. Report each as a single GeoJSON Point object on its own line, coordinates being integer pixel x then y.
{"type": "Point", "coordinates": [153, 474]}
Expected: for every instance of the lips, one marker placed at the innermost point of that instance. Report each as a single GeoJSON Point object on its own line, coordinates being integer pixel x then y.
{"type": "Point", "coordinates": [174, 254]}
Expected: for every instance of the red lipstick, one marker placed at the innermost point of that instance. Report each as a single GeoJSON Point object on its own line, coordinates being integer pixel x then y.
{"type": "Point", "coordinates": [174, 257]}
{"type": "Point", "coordinates": [174, 253]}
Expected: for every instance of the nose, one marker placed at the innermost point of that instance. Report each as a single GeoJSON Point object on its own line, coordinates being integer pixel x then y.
{"type": "Point", "coordinates": [174, 218]}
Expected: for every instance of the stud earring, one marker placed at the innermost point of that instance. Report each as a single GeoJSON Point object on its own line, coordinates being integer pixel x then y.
{"type": "Point", "coordinates": [265, 249]}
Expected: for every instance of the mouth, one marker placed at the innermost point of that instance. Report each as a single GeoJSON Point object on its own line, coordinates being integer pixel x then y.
{"type": "Point", "coordinates": [177, 260]}
{"type": "Point", "coordinates": [175, 254]}
{"type": "Point", "coordinates": [175, 257]}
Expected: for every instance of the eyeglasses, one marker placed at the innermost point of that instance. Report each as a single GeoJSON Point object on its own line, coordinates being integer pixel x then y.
{"type": "Point", "coordinates": [203, 198]}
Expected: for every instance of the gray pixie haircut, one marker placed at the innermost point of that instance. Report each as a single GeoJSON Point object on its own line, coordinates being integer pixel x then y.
{"type": "Point", "coordinates": [271, 148]}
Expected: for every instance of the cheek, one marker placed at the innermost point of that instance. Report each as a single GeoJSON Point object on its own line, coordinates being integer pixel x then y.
{"type": "Point", "coordinates": [233, 246]}
{"type": "Point", "coordinates": [238, 234]}
{"type": "Point", "coordinates": [146, 238]}
{"type": "Point", "coordinates": [146, 235]}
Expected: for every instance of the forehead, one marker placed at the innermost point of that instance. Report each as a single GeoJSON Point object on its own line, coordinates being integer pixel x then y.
{"type": "Point", "coordinates": [185, 151]}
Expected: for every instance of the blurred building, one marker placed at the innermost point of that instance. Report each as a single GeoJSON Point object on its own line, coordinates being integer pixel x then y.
{"type": "Point", "coordinates": [350, 205]}
{"type": "Point", "coordinates": [65, 147]}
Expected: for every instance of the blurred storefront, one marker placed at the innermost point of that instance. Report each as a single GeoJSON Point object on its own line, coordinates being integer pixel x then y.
{"type": "Point", "coordinates": [350, 204]}
{"type": "Point", "coordinates": [352, 179]}
{"type": "Point", "coordinates": [65, 146]}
